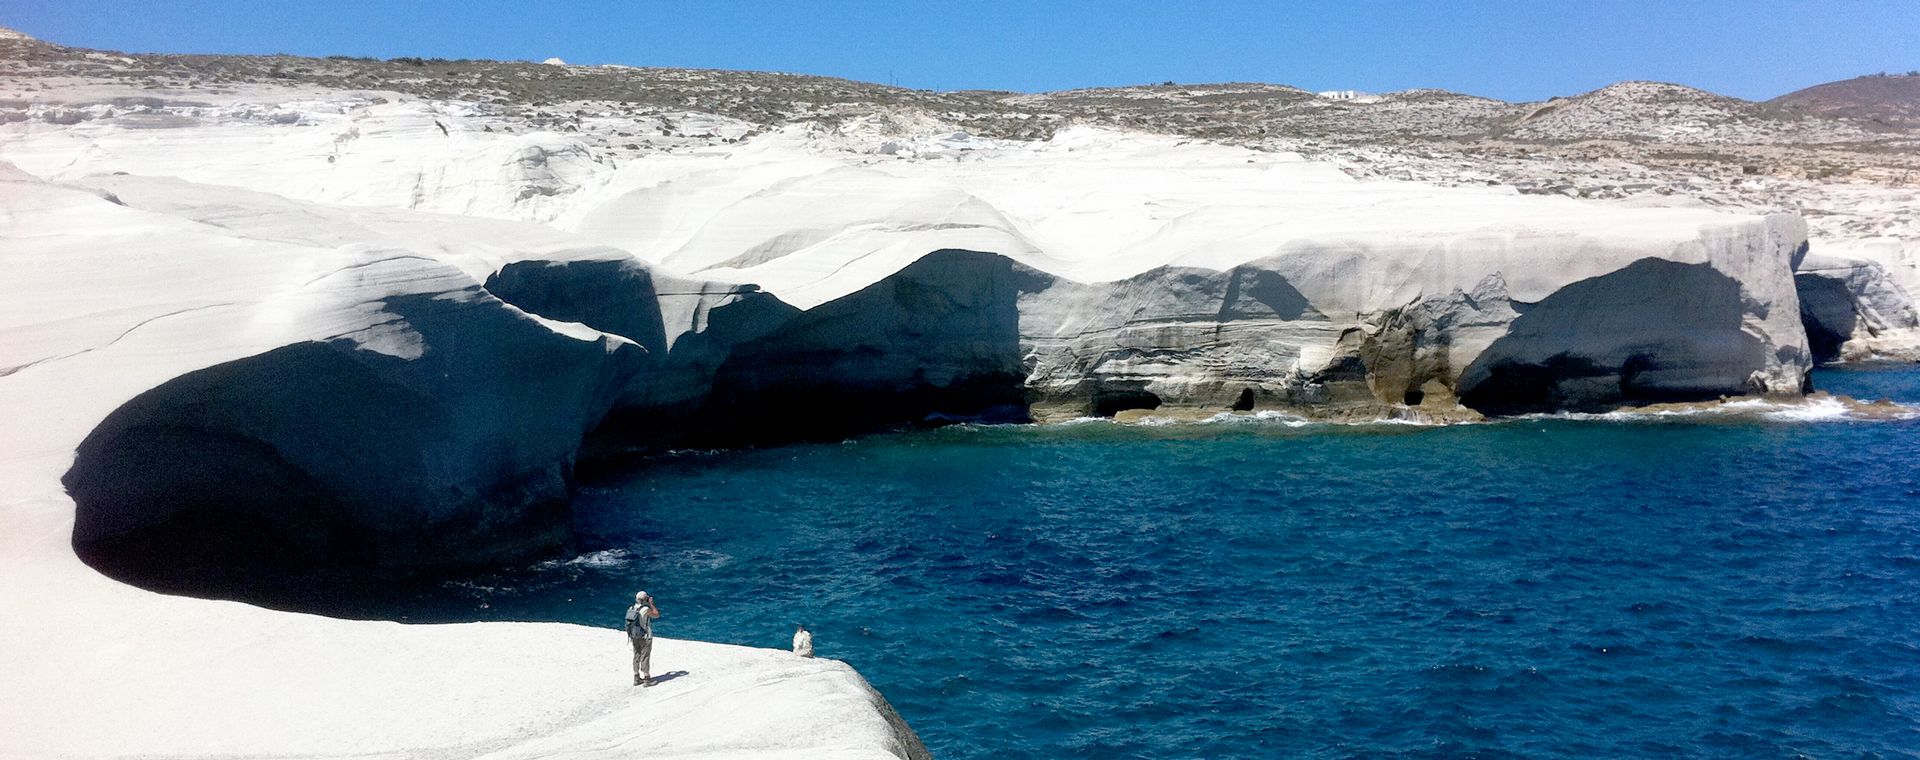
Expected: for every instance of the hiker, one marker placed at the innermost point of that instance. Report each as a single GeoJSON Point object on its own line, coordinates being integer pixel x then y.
{"type": "Point", "coordinates": [802, 641]}
{"type": "Point", "coordinates": [640, 633]}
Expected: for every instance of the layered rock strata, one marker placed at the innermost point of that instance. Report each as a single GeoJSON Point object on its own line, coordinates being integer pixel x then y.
{"type": "Point", "coordinates": [1856, 302]}
{"type": "Point", "coordinates": [428, 380]}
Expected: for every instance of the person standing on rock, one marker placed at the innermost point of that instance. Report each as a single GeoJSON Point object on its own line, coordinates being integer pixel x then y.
{"type": "Point", "coordinates": [640, 633]}
{"type": "Point", "coordinates": [802, 641]}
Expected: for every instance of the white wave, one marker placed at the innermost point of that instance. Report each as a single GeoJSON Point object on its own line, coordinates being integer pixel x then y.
{"type": "Point", "coordinates": [1270, 417]}
{"type": "Point", "coordinates": [692, 453]}
{"type": "Point", "coordinates": [705, 559]}
{"type": "Point", "coordinates": [474, 587]}
{"type": "Point", "coordinates": [1811, 409]}
{"type": "Point", "coordinates": [1289, 420]}
{"type": "Point", "coordinates": [603, 559]}
{"type": "Point", "coordinates": [1222, 418]}
{"type": "Point", "coordinates": [1401, 421]}
{"type": "Point", "coordinates": [1818, 408]}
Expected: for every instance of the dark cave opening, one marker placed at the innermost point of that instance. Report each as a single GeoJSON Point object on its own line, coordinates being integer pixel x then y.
{"type": "Point", "coordinates": [1109, 402]}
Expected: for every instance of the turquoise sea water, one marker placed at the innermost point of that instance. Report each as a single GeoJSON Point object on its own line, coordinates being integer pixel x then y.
{"type": "Point", "coordinates": [1578, 588]}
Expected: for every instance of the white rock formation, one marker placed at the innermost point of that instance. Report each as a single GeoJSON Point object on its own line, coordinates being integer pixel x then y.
{"type": "Point", "coordinates": [1090, 273]}
{"type": "Point", "coordinates": [108, 303]}
{"type": "Point", "coordinates": [1856, 300]}
{"type": "Point", "coordinates": [1198, 273]}
{"type": "Point", "coordinates": [361, 150]}
{"type": "Point", "coordinates": [373, 332]}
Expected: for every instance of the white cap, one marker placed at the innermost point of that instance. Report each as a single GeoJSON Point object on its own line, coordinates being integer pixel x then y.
{"type": "Point", "coordinates": [640, 597]}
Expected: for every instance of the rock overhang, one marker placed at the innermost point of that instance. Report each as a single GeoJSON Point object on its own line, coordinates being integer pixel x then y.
{"type": "Point", "coordinates": [1094, 273]}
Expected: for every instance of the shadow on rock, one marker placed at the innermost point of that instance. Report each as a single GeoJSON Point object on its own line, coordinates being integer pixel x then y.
{"type": "Point", "coordinates": [1655, 331]}
{"type": "Point", "coordinates": [453, 448]}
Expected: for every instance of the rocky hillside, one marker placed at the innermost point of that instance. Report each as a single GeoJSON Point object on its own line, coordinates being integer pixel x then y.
{"type": "Point", "coordinates": [1633, 111]}
{"type": "Point", "coordinates": [1672, 139]}
{"type": "Point", "coordinates": [1885, 100]}
{"type": "Point", "coordinates": [1659, 112]}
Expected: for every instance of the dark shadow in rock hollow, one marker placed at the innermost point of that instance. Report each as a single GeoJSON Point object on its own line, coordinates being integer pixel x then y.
{"type": "Point", "coordinates": [326, 477]}
{"type": "Point", "coordinates": [616, 296]}
{"type": "Point", "coordinates": [320, 469]}
{"type": "Point", "coordinates": [938, 340]}
{"type": "Point", "coordinates": [1253, 292]}
{"type": "Point", "coordinates": [1109, 400]}
{"type": "Point", "coordinates": [1653, 331]}
{"type": "Point", "coordinates": [1828, 312]}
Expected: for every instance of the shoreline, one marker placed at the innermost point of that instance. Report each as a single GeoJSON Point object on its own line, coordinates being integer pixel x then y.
{"type": "Point", "coordinates": [1834, 406]}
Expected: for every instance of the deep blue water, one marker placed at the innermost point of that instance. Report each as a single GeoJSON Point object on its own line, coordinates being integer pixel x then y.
{"type": "Point", "coordinates": [1529, 588]}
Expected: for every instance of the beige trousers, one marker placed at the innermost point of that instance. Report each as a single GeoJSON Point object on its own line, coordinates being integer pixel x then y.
{"type": "Point", "coordinates": [642, 657]}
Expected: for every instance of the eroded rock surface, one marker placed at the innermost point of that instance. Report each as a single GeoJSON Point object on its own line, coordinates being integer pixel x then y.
{"type": "Point", "coordinates": [445, 390]}
{"type": "Point", "coordinates": [1855, 307]}
{"type": "Point", "coordinates": [728, 279]}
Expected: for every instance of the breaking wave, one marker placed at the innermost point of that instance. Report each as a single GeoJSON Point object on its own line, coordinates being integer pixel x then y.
{"type": "Point", "coordinates": [600, 560]}
{"type": "Point", "coordinates": [1811, 409]}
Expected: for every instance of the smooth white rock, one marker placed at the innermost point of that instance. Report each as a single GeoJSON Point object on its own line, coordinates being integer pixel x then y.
{"type": "Point", "coordinates": [102, 669]}
{"type": "Point", "coordinates": [1126, 254]}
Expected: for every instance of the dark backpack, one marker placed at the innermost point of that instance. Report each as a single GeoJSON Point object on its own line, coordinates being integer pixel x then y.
{"type": "Point", "coordinates": [636, 622]}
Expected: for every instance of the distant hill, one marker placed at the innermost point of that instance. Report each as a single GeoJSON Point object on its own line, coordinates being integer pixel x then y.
{"type": "Point", "coordinates": [1888, 99]}
{"type": "Point", "coordinates": [552, 96]}
{"type": "Point", "coordinates": [1663, 112]}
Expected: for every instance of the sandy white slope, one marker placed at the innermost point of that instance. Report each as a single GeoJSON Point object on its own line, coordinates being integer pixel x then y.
{"type": "Point", "coordinates": [96, 668]}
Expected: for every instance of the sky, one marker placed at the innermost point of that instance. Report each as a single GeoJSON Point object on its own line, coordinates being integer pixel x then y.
{"type": "Point", "coordinates": [1512, 49]}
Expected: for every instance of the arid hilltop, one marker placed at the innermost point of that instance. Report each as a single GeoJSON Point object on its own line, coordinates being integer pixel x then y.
{"type": "Point", "coordinates": [1889, 100]}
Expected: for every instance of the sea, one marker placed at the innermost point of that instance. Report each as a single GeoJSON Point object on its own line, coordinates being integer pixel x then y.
{"type": "Point", "coordinates": [1742, 583]}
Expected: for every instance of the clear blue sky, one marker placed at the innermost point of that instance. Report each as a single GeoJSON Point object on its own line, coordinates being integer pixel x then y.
{"type": "Point", "coordinates": [1514, 50]}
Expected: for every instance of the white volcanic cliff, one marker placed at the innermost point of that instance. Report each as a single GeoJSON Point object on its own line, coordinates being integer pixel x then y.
{"type": "Point", "coordinates": [365, 400]}
{"type": "Point", "coordinates": [1856, 299]}
{"type": "Point", "coordinates": [1099, 224]}
{"type": "Point", "coordinates": [299, 327]}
